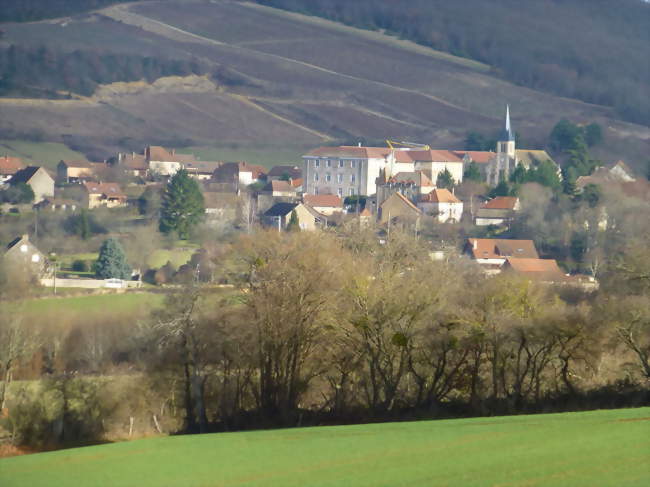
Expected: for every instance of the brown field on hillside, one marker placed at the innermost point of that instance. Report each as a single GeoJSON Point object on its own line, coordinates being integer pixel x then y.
{"type": "Point", "coordinates": [304, 81]}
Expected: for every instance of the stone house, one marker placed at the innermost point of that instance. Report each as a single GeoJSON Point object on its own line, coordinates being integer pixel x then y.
{"type": "Point", "coordinates": [442, 204]}
{"type": "Point", "coordinates": [165, 162]}
{"type": "Point", "coordinates": [36, 178]}
{"type": "Point", "coordinates": [491, 253]}
{"type": "Point", "coordinates": [74, 171]}
{"type": "Point", "coordinates": [325, 204]}
{"type": "Point", "coordinates": [109, 195]}
{"type": "Point", "coordinates": [497, 211]}
{"type": "Point", "coordinates": [278, 216]}
{"type": "Point", "coordinates": [26, 256]}
{"type": "Point", "coordinates": [399, 208]}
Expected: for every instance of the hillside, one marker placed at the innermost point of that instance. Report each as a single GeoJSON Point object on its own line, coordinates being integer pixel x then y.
{"type": "Point", "coordinates": [274, 80]}
{"type": "Point", "coordinates": [576, 449]}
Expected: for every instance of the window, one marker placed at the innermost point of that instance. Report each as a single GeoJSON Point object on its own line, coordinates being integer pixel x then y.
{"type": "Point", "coordinates": [341, 162]}
{"type": "Point", "coordinates": [353, 164]}
{"type": "Point", "coordinates": [329, 162]}
{"type": "Point", "coordinates": [351, 191]}
{"type": "Point", "coordinates": [36, 258]}
{"type": "Point", "coordinates": [353, 178]}
{"type": "Point", "coordinates": [315, 176]}
{"type": "Point", "coordinates": [328, 177]}
{"type": "Point", "coordinates": [23, 248]}
{"type": "Point", "coordinates": [339, 178]}
{"type": "Point", "coordinates": [340, 191]}
{"type": "Point", "coordinates": [317, 163]}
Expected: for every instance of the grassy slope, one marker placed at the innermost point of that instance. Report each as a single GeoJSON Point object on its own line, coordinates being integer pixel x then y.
{"type": "Point", "coordinates": [574, 449]}
{"type": "Point", "coordinates": [46, 154]}
{"type": "Point", "coordinates": [266, 157]}
{"type": "Point", "coordinates": [89, 305]}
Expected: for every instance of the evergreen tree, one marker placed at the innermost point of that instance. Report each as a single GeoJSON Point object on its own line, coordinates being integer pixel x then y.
{"type": "Point", "coordinates": [501, 189]}
{"type": "Point", "coordinates": [111, 262]}
{"type": "Point", "coordinates": [545, 173]}
{"type": "Point", "coordinates": [519, 175]}
{"type": "Point", "coordinates": [84, 225]}
{"type": "Point", "coordinates": [182, 206]}
{"type": "Point", "coordinates": [473, 173]}
{"type": "Point", "coordinates": [293, 225]}
{"type": "Point", "coordinates": [445, 180]}
{"type": "Point", "coordinates": [593, 134]}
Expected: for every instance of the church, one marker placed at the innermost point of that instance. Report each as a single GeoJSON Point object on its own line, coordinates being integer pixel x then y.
{"type": "Point", "coordinates": [501, 165]}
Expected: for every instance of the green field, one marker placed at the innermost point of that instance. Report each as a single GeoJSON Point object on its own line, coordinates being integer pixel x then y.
{"type": "Point", "coordinates": [574, 449]}
{"type": "Point", "coordinates": [90, 304]}
{"type": "Point", "coordinates": [47, 154]}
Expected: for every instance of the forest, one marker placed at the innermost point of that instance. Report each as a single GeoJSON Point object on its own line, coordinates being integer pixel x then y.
{"type": "Point", "coordinates": [584, 49]}
{"type": "Point", "coordinates": [42, 72]}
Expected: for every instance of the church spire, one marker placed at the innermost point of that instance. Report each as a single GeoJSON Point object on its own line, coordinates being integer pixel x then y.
{"type": "Point", "coordinates": [508, 135]}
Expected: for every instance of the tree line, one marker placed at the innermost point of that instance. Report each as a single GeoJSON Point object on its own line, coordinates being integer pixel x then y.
{"type": "Point", "coordinates": [566, 48]}
{"type": "Point", "coordinates": [42, 72]}
{"type": "Point", "coordinates": [340, 327]}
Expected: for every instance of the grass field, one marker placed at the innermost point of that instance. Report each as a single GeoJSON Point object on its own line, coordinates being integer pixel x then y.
{"type": "Point", "coordinates": [600, 448]}
{"type": "Point", "coordinates": [46, 154]}
{"type": "Point", "coordinates": [90, 304]}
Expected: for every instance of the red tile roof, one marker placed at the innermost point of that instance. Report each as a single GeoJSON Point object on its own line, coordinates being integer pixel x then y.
{"type": "Point", "coordinates": [323, 200]}
{"type": "Point", "coordinates": [479, 157]}
{"type": "Point", "coordinates": [499, 248]}
{"type": "Point", "coordinates": [417, 177]}
{"type": "Point", "coordinates": [540, 267]}
{"type": "Point", "coordinates": [501, 203]}
{"type": "Point", "coordinates": [280, 186]}
{"type": "Point", "coordinates": [10, 165]}
{"type": "Point", "coordinates": [440, 195]}
{"type": "Point", "coordinates": [426, 156]}
{"type": "Point", "coordinates": [109, 189]}
{"type": "Point", "coordinates": [351, 151]}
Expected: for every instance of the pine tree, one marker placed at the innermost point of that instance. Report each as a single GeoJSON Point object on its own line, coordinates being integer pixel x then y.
{"type": "Point", "coordinates": [111, 262]}
{"type": "Point", "coordinates": [445, 180]}
{"type": "Point", "coordinates": [84, 226]}
{"type": "Point", "coordinates": [473, 173]}
{"type": "Point", "coordinates": [182, 206]}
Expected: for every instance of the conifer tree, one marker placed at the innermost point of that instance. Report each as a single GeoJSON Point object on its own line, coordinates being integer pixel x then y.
{"type": "Point", "coordinates": [293, 225]}
{"type": "Point", "coordinates": [473, 173]}
{"type": "Point", "coordinates": [111, 262]}
{"type": "Point", "coordinates": [445, 180]}
{"type": "Point", "coordinates": [182, 205]}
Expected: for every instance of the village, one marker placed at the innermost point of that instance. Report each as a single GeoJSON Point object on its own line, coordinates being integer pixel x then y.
{"type": "Point", "coordinates": [404, 186]}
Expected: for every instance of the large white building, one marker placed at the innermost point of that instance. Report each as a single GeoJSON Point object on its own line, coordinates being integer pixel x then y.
{"type": "Point", "coordinates": [351, 170]}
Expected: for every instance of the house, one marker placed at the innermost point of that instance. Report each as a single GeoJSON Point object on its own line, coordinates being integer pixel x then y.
{"type": "Point", "coordinates": [618, 172]}
{"type": "Point", "coordinates": [508, 157]}
{"type": "Point", "coordinates": [278, 216]}
{"type": "Point", "coordinates": [344, 170]}
{"type": "Point", "coordinates": [220, 206]}
{"type": "Point", "coordinates": [433, 162]}
{"type": "Point", "coordinates": [8, 167]}
{"type": "Point", "coordinates": [442, 204]}
{"type": "Point", "coordinates": [238, 174]}
{"type": "Point", "coordinates": [325, 204]}
{"type": "Point", "coordinates": [491, 253]}
{"type": "Point", "coordinates": [497, 211]}
{"type": "Point", "coordinates": [166, 162]}
{"type": "Point", "coordinates": [399, 207]}
{"type": "Point", "coordinates": [275, 192]}
{"type": "Point", "coordinates": [545, 270]}
{"type": "Point", "coordinates": [104, 194]}
{"type": "Point", "coordinates": [365, 217]}
{"type": "Point", "coordinates": [285, 173]}
{"type": "Point", "coordinates": [133, 164]}
{"type": "Point", "coordinates": [74, 171]}
{"type": "Point", "coordinates": [36, 178]}
{"type": "Point", "coordinates": [201, 170]}
{"type": "Point", "coordinates": [25, 255]}
{"type": "Point", "coordinates": [410, 184]}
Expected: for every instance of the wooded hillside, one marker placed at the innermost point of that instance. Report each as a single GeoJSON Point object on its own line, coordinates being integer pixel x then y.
{"type": "Point", "coordinates": [585, 49]}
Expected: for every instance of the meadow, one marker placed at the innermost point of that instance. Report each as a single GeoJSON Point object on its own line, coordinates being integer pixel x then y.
{"type": "Point", "coordinates": [571, 449]}
{"type": "Point", "coordinates": [47, 154]}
